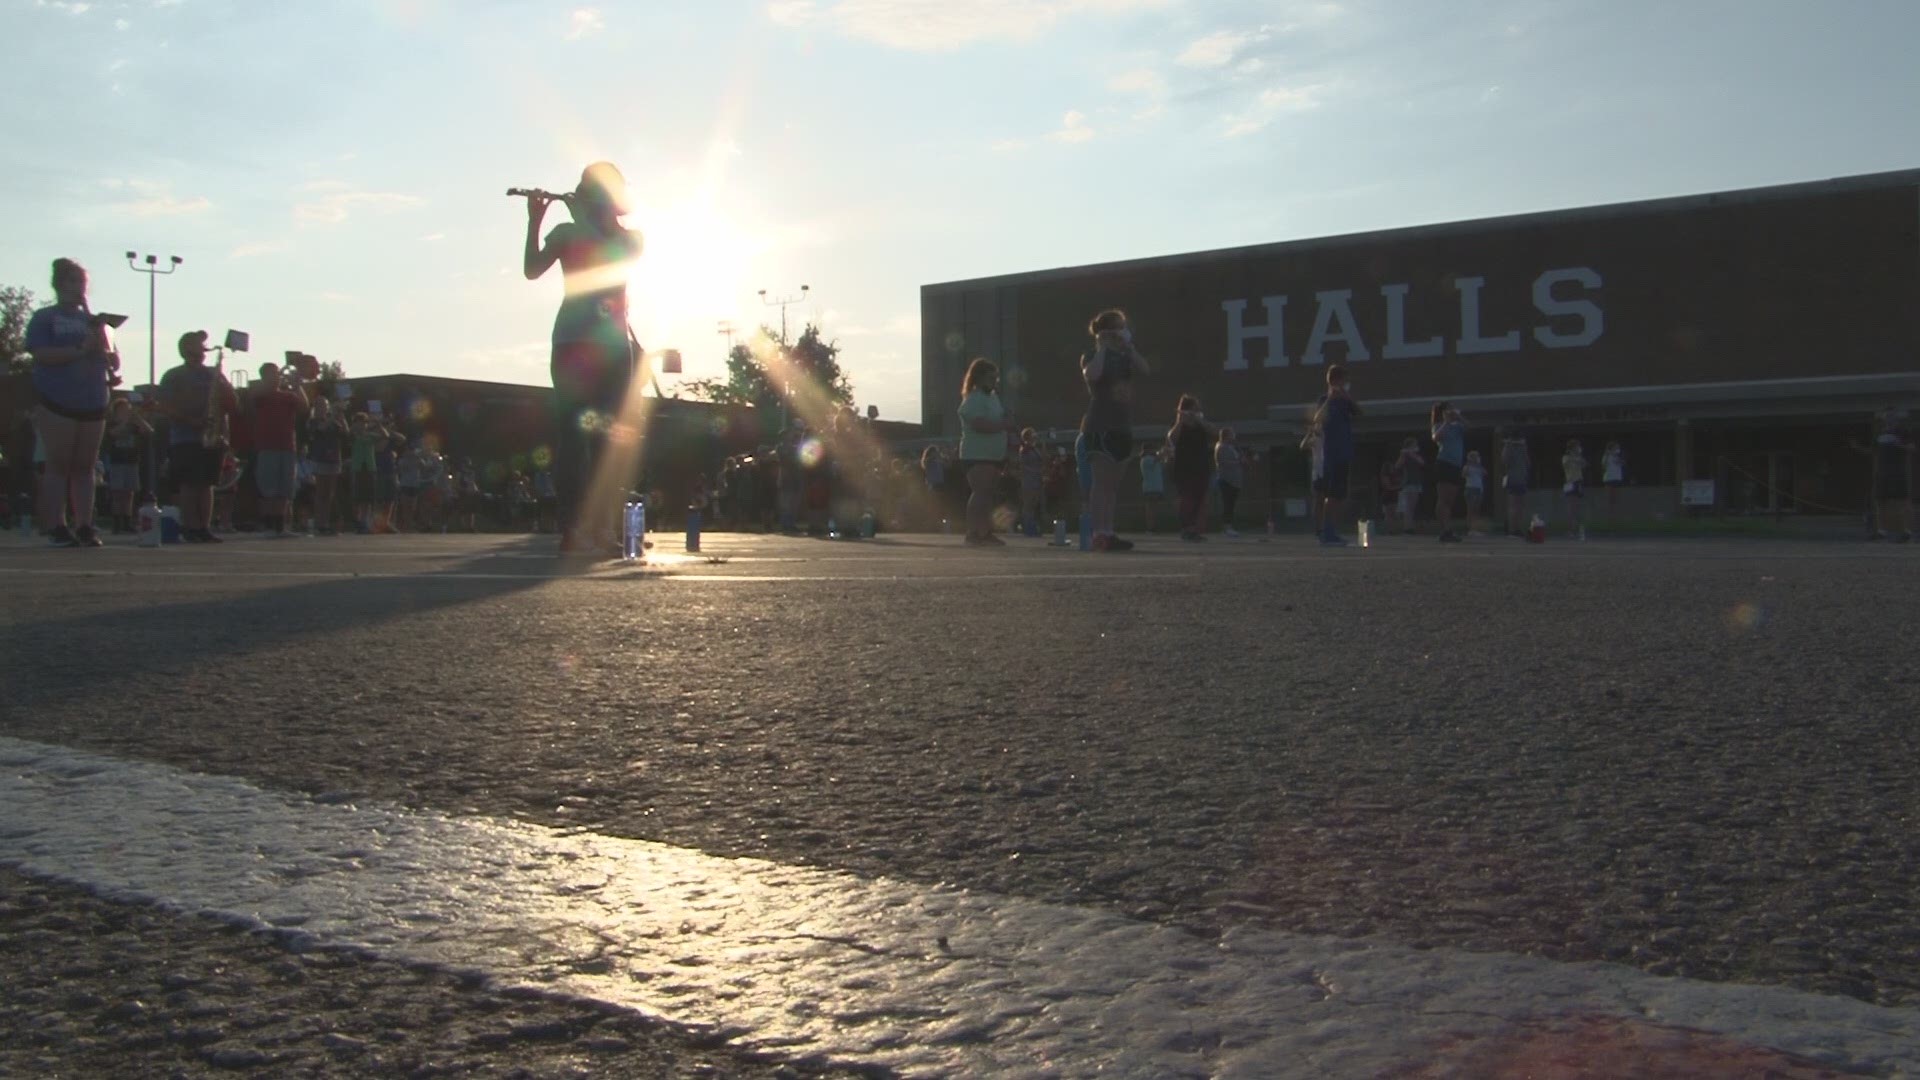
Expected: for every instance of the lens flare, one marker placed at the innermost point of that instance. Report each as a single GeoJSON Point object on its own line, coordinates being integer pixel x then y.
{"type": "Point", "coordinates": [591, 421]}
{"type": "Point", "coordinates": [495, 472]}
{"type": "Point", "coordinates": [1746, 618]}
{"type": "Point", "coordinates": [420, 408]}
{"type": "Point", "coordinates": [811, 451]}
{"type": "Point", "coordinates": [542, 457]}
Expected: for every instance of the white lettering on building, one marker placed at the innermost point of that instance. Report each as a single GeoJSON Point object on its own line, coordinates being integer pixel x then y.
{"type": "Point", "coordinates": [1471, 341]}
{"type": "Point", "coordinates": [1574, 321]}
{"type": "Point", "coordinates": [1398, 347]}
{"type": "Point", "coordinates": [1238, 332]}
{"type": "Point", "coordinates": [1334, 305]}
{"type": "Point", "coordinates": [1593, 321]}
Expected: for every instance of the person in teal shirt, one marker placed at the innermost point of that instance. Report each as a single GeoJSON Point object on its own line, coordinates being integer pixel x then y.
{"type": "Point", "coordinates": [594, 354]}
{"type": "Point", "coordinates": [983, 447]}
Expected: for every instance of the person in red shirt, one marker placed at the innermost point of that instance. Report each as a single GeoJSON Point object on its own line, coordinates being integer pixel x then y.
{"type": "Point", "coordinates": [278, 403]}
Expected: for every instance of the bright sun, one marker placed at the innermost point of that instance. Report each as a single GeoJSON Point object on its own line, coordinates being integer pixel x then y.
{"type": "Point", "coordinates": [690, 276]}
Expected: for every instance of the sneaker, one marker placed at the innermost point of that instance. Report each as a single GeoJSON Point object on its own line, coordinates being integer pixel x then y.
{"type": "Point", "coordinates": [1332, 539]}
{"type": "Point", "coordinates": [207, 537]}
{"type": "Point", "coordinates": [1114, 543]}
{"type": "Point", "coordinates": [1449, 537]}
{"type": "Point", "coordinates": [61, 536]}
{"type": "Point", "coordinates": [991, 540]}
{"type": "Point", "coordinates": [88, 536]}
{"type": "Point", "coordinates": [1231, 531]}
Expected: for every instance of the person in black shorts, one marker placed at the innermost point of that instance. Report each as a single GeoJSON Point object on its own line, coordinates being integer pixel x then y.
{"type": "Point", "coordinates": [1109, 368]}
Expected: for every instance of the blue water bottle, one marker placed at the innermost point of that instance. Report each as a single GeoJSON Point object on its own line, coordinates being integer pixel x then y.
{"type": "Point", "coordinates": [1086, 531]}
{"type": "Point", "coordinates": [693, 528]}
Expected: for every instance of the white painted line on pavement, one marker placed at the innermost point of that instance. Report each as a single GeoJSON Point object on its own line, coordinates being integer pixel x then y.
{"type": "Point", "coordinates": [601, 573]}
{"type": "Point", "coordinates": [802, 961]}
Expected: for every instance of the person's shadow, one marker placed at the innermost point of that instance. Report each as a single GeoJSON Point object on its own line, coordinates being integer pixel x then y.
{"type": "Point", "coordinates": [109, 650]}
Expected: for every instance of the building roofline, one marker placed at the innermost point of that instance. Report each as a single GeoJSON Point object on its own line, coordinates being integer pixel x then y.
{"type": "Point", "coordinates": [1889, 180]}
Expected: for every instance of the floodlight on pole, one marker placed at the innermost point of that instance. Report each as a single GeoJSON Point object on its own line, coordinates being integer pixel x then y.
{"type": "Point", "coordinates": [153, 271]}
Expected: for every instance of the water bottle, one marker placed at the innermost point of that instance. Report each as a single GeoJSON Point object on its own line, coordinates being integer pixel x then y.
{"type": "Point", "coordinates": [946, 526]}
{"type": "Point", "coordinates": [1086, 531]}
{"type": "Point", "coordinates": [693, 529]}
{"type": "Point", "coordinates": [26, 525]}
{"type": "Point", "coordinates": [868, 525]}
{"type": "Point", "coordinates": [833, 529]}
{"type": "Point", "coordinates": [1059, 532]}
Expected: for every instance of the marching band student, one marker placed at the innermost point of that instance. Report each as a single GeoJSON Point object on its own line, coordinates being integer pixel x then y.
{"type": "Point", "coordinates": [1613, 474]}
{"type": "Point", "coordinates": [1230, 466]}
{"type": "Point", "coordinates": [1191, 446]}
{"type": "Point", "coordinates": [75, 367]}
{"type": "Point", "coordinates": [1449, 463]}
{"type": "Point", "coordinates": [1573, 464]}
{"type": "Point", "coordinates": [593, 359]}
{"type": "Point", "coordinates": [1315, 444]}
{"type": "Point", "coordinates": [1516, 468]}
{"type": "Point", "coordinates": [1412, 468]}
{"type": "Point", "coordinates": [1109, 368]}
{"type": "Point", "coordinates": [278, 404]}
{"type": "Point", "coordinates": [195, 398]}
{"type": "Point", "coordinates": [1474, 474]}
{"type": "Point", "coordinates": [983, 447]}
{"type": "Point", "coordinates": [127, 433]}
{"type": "Point", "coordinates": [1335, 421]}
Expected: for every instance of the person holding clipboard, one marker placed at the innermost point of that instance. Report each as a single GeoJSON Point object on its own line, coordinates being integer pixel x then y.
{"type": "Point", "coordinates": [75, 368]}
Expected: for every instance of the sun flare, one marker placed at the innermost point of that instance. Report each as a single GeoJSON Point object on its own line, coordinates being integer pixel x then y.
{"type": "Point", "coordinates": [692, 273]}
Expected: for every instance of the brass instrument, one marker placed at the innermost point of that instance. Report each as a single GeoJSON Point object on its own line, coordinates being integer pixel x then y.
{"type": "Point", "coordinates": [214, 435]}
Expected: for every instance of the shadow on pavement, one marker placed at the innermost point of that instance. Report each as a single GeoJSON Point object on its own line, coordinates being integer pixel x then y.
{"type": "Point", "coordinates": [108, 649]}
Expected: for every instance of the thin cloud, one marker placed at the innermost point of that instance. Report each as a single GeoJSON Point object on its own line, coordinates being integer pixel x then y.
{"type": "Point", "coordinates": [1139, 81]}
{"type": "Point", "coordinates": [254, 250]}
{"type": "Point", "coordinates": [1073, 128]}
{"type": "Point", "coordinates": [70, 7]}
{"type": "Point", "coordinates": [1217, 49]}
{"type": "Point", "coordinates": [941, 25]}
{"type": "Point", "coordinates": [334, 201]}
{"type": "Point", "coordinates": [1270, 106]}
{"type": "Point", "coordinates": [150, 198]}
{"type": "Point", "coordinates": [583, 22]}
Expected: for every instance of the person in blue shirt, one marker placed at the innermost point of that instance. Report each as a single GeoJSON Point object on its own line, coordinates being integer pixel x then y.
{"type": "Point", "coordinates": [594, 354]}
{"type": "Point", "coordinates": [1335, 420]}
{"type": "Point", "coordinates": [1449, 460]}
{"type": "Point", "coordinates": [75, 368]}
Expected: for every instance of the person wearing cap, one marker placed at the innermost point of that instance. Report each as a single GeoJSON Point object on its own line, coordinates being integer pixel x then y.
{"type": "Point", "coordinates": [593, 358]}
{"type": "Point", "coordinates": [194, 398]}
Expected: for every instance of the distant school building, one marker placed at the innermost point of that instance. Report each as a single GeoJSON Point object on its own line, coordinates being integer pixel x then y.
{"type": "Point", "coordinates": [1735, 344]}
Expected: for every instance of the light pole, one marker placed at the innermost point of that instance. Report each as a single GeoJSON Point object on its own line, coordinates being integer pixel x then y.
{"type": "Point", "coordinates": [153, 271]}
{"type": "Point", "coordinates": [781, 302]}
{"type": "Point", "coordinates": [725, 326]}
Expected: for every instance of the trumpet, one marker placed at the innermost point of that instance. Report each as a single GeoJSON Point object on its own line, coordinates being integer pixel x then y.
{"type": "Point", "coordinates": [540, 193]}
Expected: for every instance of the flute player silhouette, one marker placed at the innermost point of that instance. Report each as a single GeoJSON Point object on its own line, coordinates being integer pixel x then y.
{"type": "Point", "coordinates": [594, 352]}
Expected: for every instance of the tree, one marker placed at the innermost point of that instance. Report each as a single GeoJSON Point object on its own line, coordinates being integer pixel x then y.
{"type": "Point", "coordinates": [810, 359]}
{"type": "Point", "coordinates": [16, 306]}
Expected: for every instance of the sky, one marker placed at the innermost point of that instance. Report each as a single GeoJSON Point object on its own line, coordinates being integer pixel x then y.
{"type": "Point", "coordinates": [332, 173]}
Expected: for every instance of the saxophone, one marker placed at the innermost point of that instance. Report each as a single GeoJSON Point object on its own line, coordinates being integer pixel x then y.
{"type": "Point", "coordinates": [214, 435]}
